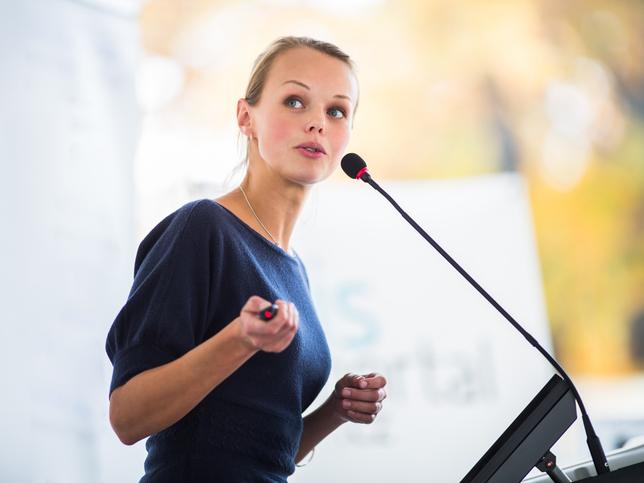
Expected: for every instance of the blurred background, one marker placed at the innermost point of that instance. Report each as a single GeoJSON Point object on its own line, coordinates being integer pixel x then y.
{"type": "Point", "coordinates": [117, 112]}
{"type": "Point", "coordinates": [554, 90]}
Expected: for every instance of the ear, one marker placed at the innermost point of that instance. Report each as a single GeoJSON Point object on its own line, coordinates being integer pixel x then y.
{"type": "Point", "coordinates": [244, 119]}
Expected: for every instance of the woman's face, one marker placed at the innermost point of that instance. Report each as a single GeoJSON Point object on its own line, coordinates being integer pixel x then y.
{"type": "Point", "coordinates": [308, 97]}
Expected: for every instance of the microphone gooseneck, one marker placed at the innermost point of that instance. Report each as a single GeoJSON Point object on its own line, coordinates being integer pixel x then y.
{"type": "Point", "coordinates": [355, 167]}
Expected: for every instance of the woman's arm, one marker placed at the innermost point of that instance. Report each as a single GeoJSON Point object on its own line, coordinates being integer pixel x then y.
{"type": "Point", "coordinates": [317, 426]}
{"type": "Point", "coordinates": [159, 397]}
{"type": "Point", "coordinates": [355, 398]}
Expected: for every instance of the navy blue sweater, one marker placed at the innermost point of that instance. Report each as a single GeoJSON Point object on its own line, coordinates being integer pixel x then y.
{"type": "Point", "coordinates": [193, 273]}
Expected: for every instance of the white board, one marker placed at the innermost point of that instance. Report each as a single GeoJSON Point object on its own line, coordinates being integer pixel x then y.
{"type": "Point", "coordinates": [68, 127]}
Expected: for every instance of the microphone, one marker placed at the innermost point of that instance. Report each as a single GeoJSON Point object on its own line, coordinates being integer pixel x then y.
{"type": "Point", "coordinates": [355, 167]}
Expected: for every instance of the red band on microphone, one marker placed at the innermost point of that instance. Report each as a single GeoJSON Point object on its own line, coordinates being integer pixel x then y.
{"type": "Point", "coordinates": [361, 172]}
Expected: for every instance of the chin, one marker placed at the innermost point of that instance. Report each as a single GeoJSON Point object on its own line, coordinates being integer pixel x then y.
{"type": "Point", "coordinates": [310, 177]}
{"type": "Point", "coordinates": [308, 180]}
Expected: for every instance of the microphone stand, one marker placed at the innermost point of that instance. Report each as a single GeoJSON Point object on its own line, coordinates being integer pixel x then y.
{"type": "Point", "coordinates": [594, 445]}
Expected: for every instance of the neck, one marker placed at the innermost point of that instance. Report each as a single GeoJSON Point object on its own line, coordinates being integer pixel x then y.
{"type": "Point", "coordinates": [277, 205]}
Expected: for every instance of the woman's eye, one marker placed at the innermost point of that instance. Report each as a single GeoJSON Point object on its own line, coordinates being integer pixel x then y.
{"type": "Point", "coordinates": [292, 102]}
{"type": "Point", "coordinates": [337, 113]}
{"type": "Point", "coordinates": [295, 103]}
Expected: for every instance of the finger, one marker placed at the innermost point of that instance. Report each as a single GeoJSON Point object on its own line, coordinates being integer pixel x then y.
{"type": "Point", "coordinates": [362, 407]}
{"type": "Point", "coordinates": [276, 324]}
{"type": "Point", "coordinates": [280, 341]}
{"type": "Point", "coordinates": [358, 381]}
{"type": "Point", "coordinates": [289, 327]}
{"type": "Point", "coordinates": [292, 320]}
{"type": "Point", "coordinates": [371, 395]}
{"type": "Point", "coordinates": [349, 380]}
{"type": "Point", "coordinates": [284, 309]}
{"type": "Point", "coordinates": [255, 303]}
{"type": "Point", "coordinates": [375, 381]}
{"type": "Point", "coordinates": [265, 330]}
{"type": "Point", "coordinates": [254, 326]}
{"type": "Point", "coordinates": [359, 417]}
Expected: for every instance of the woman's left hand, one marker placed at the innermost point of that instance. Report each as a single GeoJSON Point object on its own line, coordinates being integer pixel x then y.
{"type": "Point", "coordinates": [358, 398]}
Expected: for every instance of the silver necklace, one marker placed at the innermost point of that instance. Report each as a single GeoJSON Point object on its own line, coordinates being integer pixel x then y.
{"type": "Point", "coordinates": [257, 217]}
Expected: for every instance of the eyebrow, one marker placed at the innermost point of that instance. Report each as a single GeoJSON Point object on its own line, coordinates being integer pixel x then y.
{"type": "Point", "coordinates": [308, 88]}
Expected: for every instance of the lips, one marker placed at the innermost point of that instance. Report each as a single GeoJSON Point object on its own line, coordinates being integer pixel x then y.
{"type": "Point", "coordinates": [312, 147]}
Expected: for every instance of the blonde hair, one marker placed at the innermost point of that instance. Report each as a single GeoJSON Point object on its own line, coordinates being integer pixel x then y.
{"type": "Point", "coordinates": [265, 60]}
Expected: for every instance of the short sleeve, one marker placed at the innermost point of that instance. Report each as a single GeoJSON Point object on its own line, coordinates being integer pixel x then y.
{"type": "Point", "coordinates": [166, 311]}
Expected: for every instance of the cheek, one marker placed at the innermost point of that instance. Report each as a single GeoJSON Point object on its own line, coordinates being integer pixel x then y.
{"type": "Point", "coordinates": [277, 127]}
{"type": "Point", "coordinates": [273, 140]}
{"type": "Point", "coordinates": [341, 140]}
{"type": "Point", "coordinates": [339, 145]}
{"type": "Point", "coordinates": [275, 135]}
{"type": "Point", "coordinates": [280, 130]}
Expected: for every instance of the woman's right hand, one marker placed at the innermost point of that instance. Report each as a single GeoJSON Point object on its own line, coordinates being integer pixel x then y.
{"type": "Point", "coordinates": [270, 336]}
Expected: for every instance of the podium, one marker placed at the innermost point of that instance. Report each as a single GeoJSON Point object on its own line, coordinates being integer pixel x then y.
{"type": "Point", "coordinates": [630, 474]}
{"type": "Point", "coordinates": [527, 441]}
{"type": "Point", "coordinates": [627, 466]}
{"type": "Point", "coordinates": [526, 444]}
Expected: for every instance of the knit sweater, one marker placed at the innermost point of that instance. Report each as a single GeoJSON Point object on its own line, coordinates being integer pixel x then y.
{"type": "Point", "coordinates": [193, 273]}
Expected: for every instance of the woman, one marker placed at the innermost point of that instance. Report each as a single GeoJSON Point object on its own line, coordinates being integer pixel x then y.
{"type": "Point", "coordinates": [219, 391]}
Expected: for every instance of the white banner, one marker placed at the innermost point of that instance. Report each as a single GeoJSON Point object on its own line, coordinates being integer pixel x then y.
{"type": "Point", "coordinates": [458, 372]}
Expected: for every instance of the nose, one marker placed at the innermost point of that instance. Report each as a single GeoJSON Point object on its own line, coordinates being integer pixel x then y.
{"type": "Point", "coordinates": [316, 123]}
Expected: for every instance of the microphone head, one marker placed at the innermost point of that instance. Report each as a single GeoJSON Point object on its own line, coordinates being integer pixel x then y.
{"type": "Point", "coordinates": [354, 166]}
